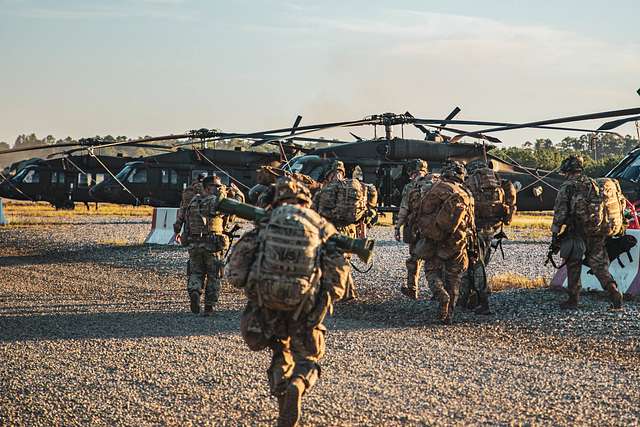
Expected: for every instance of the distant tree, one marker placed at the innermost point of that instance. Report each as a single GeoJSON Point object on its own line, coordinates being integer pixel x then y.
{"type": "Point", "coordinates": [4, 146]}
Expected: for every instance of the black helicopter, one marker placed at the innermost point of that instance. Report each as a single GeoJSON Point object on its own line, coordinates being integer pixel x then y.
{"type": "Point", "coordinates": [159, 180]}
{"type": "Point", "coordinates": [61, 181]}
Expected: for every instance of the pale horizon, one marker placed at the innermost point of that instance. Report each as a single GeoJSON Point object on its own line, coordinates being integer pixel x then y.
{"type": "Point", "coordinates": [154, 67]}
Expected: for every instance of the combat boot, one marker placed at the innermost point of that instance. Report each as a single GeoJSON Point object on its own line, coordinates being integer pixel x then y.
{"type": "Point", "coordinates": [291, 405]}
{"type": "Point", "coordinates": [571, 303]}
{"type": "Point", "coordinates": [208, 310]}
{"type": "Point", "coordinates": [483, 308]}
{"type": "Point", "coordinates": [408, 292]}
{"type": "Point", "coordinates": [194, 298]}
{"type": "Point", "coordinates": [615, 296]}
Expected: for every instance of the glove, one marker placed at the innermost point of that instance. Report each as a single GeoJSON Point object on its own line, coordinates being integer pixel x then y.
{"type": "Point", "coordinates": [397, 234]}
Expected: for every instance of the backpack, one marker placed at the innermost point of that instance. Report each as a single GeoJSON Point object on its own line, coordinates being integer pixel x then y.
{"type": "Point", "coordinates": [489, 197]}
{"type": "Point", "coordinates": [343, 202]}
{"type": "Point", "coordinates": [286, 272]}
{"type": "Point", "coordinates": [444, 210]}
{"type": "Point", "coordinates": [613, 221]}
{"type": "Point", "coordinates": [587, 206]}
{"type": "Point", "coordinates": [419, 188]}
{"type": "Point", "coordinates": [510, 199]}
{"type": "Point", "coordinates": [198, 224]}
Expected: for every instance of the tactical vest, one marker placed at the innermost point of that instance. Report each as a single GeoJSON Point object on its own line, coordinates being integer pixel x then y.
{"type": "Point", "coordinates": [200, 225]}
{"type": "Point", "coordinates": [446, 209]}
{"type": "Point", "coordinates": [286, 272]}
{"type": "Point", "coordinates": [343, 202]}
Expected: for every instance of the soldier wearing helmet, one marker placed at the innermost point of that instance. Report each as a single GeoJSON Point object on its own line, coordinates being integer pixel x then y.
{"type": "Point", "coordinates": [446, 227]}
{"type": "Point", "coordinates": [495, 204]}
{"type": "Point", "coordinates": [342, 201]}
{"type": "Point", "coordinates": [573, 210]}
{"type": "Point", "coordinates": [204, 235]}
{"type": "Point", "coordinates": [420, 182]}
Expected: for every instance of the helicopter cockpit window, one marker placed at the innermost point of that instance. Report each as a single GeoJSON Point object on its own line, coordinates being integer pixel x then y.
{"type": "Point", "coordinates": [631, 172]}
{"type": "Point", "coordinates": [32, 176]}
{"type": "Point", "coordinates": [139, 176]}
{"type": "Point", "coordinates": [83, 180]}
{"type": "Point", "coordinates": [99, 178]}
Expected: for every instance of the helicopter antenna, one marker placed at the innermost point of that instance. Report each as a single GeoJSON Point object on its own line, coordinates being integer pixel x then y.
{"type": "Point", "coordinates": [92, 154]}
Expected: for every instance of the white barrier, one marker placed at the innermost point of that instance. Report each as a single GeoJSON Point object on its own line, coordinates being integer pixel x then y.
{"type": "Point", "coordinates": [3, 219]}
{"type": "Point", "coordinates": [162, 227]}
{"type": "Point", "coordinates": [627, 278]}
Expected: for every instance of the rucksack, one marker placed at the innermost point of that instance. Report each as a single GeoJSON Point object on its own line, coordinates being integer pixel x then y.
{"type": "Point", "coordinates": [286, 273]}
{"type": "Point", "coordinates": [510, 199]}
{"type": "Point", "coordinates": [197, 223]}
{"type": "Point", "coordinates": [587, 206]}
{"type": "Point", "coordinates": [444, 210]}
{"type": "Point", "coordinates": [343, 202]}
{"type": "Point", "coordinates": [489, 196]}
{"type": "Point", "coordinates": [614, 222]}
{"type": "Point", "coordinates": [419, 187]}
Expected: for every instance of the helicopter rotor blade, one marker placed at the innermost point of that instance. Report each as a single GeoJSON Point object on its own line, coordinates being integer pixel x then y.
{"type": "Point", "coordinates": [419, 126]}
{"type": "Point", "coordinates": [355, 136]}
{"type": "Point", "coordinates": [569, 119]}
{"type": "Point", "coordinates": [452, 114]}
{"type": "Point", "coordinates": [296, 124]}
{"type": "Point", "coordinates": [42, 147]}
{"type": "Point", "coordinates": [615, 123]}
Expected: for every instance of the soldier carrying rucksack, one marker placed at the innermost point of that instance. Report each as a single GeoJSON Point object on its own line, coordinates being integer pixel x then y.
{"type": "Point", "coordinates": [591, 211]}
{"type": "Point", "coordinates": [345, 203]}
{"type": "Point", "coordinates": [420, 182]}
{"type": "Point", "coordinates": [204, 235]}
{"type": "Point", "coordinates": [292, 274]}
{"type": "Point", "coordinates": [495, 205]}
{"type": "Point", "coordinates": [445, 221]}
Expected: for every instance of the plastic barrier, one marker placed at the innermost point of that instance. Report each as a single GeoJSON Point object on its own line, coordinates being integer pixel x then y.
{"type": "Point", "coordinates": [3, 219]}
{"type": "Point", "coordinates": [627, 276]}
{"type": "Point", "coordinates": [162, 227]}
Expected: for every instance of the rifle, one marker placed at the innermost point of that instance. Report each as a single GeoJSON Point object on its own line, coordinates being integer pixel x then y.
{"type": "Point", "coordinates": [363, 248]}
{"type": "Point", "coordinates": [555, 248]}
{"type": "Point", "coordinates": [231, 234]}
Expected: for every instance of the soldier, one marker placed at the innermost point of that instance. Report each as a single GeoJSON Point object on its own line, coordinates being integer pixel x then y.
{"type": "Point", "coordinates": [419, 183]}
{"type": "Point", "coordinates": [495, 205]}
{"type": "Point", "coordinates": [187, 195]}
{"type": "Point", "coordinates": [204, 234]}
{"type": "Point", "coordinates": [343, 202]}
{"type": "Point", "coordinates": [573, 209]}
{"type": "Point", "coordinates": [447, 226]}
{"type": "Point", "coordinates": [290, 291]}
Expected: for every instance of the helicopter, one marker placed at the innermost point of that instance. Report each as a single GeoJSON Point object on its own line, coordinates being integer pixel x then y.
{"type": "Point", "coordinates": [61, 181]}
{"type": "Point", "coordinates": [159, 180]}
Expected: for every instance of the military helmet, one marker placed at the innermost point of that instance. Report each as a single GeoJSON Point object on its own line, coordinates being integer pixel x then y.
{"type": "Point", "coordinates": [337, 165]}
{"type": "Point", "coordinates": [475, 165]}
{"type": "Point", "coordinates": [201, 176]}
{"type": "Point", "coordinates": [288, 188]}
{"type": "Point", "coordinates": [417, 165]}
{"type": "Point", "coordinates": [211, 180]}
{"type": "Point", "coordinates": [573, 163]}
{"type": "Point", "coordinates": [455, 170]}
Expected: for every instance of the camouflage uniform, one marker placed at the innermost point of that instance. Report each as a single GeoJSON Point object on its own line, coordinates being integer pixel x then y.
{"type": "Point", "coordinates": [446, 257]}
{"type": "Point", "coordinates": [475, 278]}
{"type": "Point", "coordinates": [596, 252]}
{"type": "Point", "coordinates": [418, 170]}
{"type": "Point", "coordinates": [350, 230]}
{"type": "Point", "coordinates": [204, 236]}
{"type": "Point", "coordinates": [297, 341]}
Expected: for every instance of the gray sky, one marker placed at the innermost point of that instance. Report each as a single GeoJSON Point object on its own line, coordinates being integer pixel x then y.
{"type": "Point", "coordinates": [149, 67]}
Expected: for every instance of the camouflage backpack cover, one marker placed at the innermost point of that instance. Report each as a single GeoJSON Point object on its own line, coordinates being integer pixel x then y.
{"type": "Point", "coordinates": [614, 203]}
{"type": "Point", "coordinates": [444, 211]}
{"type": "Point", "coordinates": [491, 204]}
{"type": "Point", "coordinates": [592, 201]}
{"type": "Point", "coordinates": [416, 190]}
{"type": "Point", "coordinates": [286, 272]}
{"type": "Point", "coordinates": [343, 202]}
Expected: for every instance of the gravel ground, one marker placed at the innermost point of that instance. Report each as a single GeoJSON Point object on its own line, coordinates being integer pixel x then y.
{"type": "Point", "coordinates": [95, 329]}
